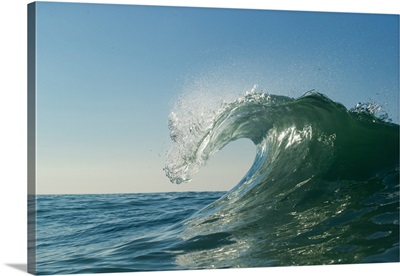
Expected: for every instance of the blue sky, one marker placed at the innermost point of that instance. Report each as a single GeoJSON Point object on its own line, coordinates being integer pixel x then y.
{"type": "Point", "coordinates": [108, 76]}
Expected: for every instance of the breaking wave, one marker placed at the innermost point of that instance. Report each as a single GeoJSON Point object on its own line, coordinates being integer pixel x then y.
{"type": "Point", "coordinates": [323, 188]}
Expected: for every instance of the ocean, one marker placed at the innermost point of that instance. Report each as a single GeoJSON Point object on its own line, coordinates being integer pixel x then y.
{"type": "Point", "coordinates": [323, 189]}
{"type": "Point", "coordinates": [112, 232]}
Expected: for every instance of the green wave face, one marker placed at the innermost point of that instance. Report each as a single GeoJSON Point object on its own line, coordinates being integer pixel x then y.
{"type": "Point", "coordinates": [323, 187]}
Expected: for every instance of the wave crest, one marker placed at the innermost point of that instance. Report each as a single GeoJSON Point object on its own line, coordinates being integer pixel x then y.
{"type": "Point", "coordinates": [198, 135]}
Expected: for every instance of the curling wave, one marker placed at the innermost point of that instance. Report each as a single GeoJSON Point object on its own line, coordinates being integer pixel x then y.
{"type": "Point", "coordinates": [323, 187]}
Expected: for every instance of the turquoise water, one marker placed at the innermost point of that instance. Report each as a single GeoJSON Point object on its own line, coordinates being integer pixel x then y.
{"type": "Point", "coordinates": [323, 189]}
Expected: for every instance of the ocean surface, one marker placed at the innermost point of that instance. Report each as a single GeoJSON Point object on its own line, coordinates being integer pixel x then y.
{"type": "Point", "coordinates": [112, 232]}
{"type": "Point", "coordinates": [323, 189]}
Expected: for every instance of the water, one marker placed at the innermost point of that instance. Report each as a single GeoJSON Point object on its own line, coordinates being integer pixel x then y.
{"type": "Point", "coordinates": [112, 232]}
{"type": "Point", "coordinates": [323, 189]}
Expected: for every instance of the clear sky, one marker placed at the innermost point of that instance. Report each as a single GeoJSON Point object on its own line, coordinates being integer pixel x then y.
{"type": "Point", "coordinates": [108, 76]}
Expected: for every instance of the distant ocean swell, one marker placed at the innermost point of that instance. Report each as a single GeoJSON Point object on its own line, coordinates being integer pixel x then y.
{"type": "Point", "coordinates": [324, 186]}
{"type": "Point", "coordinates": [323, 189]}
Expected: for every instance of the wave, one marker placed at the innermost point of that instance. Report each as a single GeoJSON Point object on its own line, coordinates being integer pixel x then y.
{"type": "Point", "coordinates": [323, 188]}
